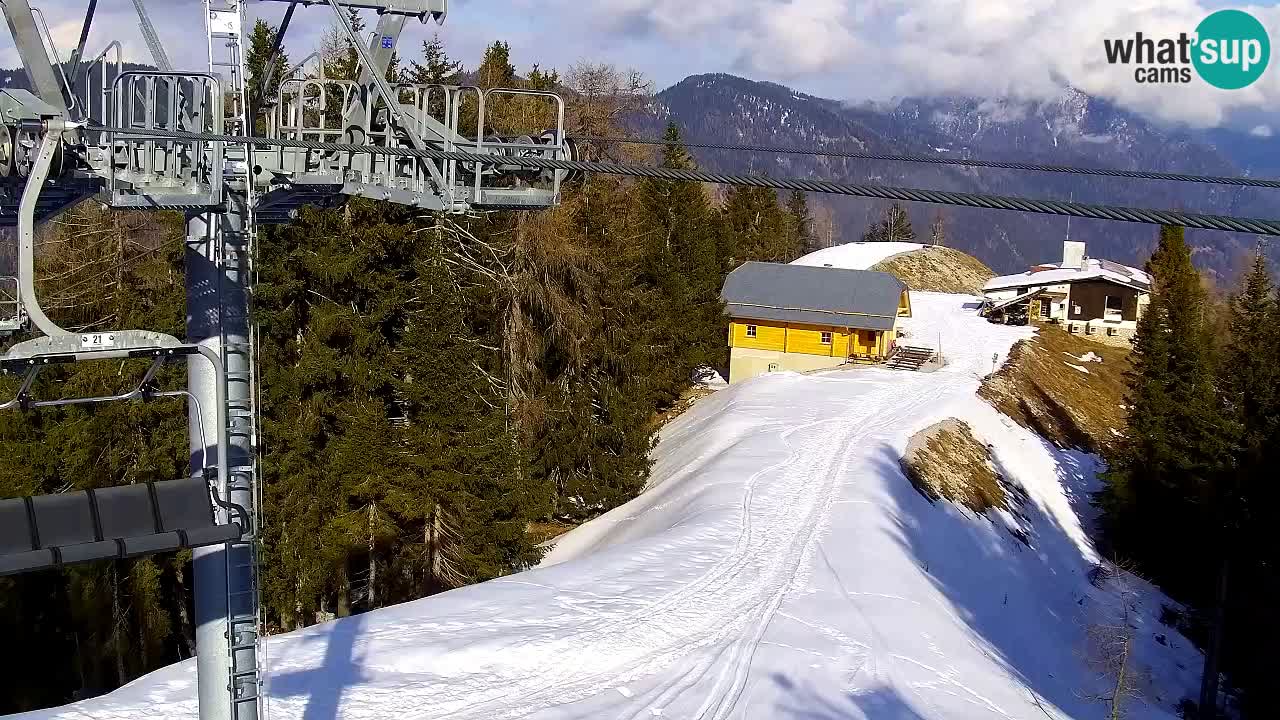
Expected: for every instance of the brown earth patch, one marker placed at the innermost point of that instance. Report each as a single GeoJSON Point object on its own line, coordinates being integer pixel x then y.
{"type": "Point", "coordinates": [1039, 388]}
{"type": "Point", "coordinates": [938, 269]}
{"type": "Point", "coordinates": [945, 460]}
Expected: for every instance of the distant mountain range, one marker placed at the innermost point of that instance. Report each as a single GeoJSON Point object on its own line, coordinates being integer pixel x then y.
{"type": "Point", "coordinates": [1073, 129]}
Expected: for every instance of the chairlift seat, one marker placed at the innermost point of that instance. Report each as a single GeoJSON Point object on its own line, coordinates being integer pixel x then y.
{"type": "Point", "coordinates": [127, 521]}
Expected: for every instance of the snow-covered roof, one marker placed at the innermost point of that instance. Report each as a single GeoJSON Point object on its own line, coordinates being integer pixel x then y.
{"type": "Point", "coordinates": [856, 255]}
{"type": "Point", "coordinates": [1055, 274]}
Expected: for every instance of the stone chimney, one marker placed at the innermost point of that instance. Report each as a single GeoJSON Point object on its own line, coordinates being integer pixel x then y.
{"type": "Point", "coordinates": [1072, 255]}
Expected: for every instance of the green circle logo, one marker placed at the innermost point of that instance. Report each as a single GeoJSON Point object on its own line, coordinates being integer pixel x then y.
{"type": "Point", "coordinates": [1232, 49]}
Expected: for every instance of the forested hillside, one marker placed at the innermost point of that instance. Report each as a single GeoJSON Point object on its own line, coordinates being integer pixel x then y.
{"type": "Point", "coordinates": [1189, 500]}
{"type": "Point", "coordinates": [434, 388]}
{"type": "Point", "coordinates": [438, 390]}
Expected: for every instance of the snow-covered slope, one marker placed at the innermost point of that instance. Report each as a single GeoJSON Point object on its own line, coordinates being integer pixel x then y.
{"type": "Point", "coordinates": [856, 255]}
{"type": "Point", "coordinates": [779, 565]}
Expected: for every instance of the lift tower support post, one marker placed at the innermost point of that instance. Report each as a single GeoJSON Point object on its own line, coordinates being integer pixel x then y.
{"type": "Point", "coordinates": [218, 278]}
{"type": "Point", "coordinates": [223, 573]}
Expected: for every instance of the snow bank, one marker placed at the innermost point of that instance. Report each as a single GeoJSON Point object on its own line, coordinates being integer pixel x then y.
{"type": "Point", "coordinates": [856, 255]}
{"type": "Point", "coordinates": [778, 565]}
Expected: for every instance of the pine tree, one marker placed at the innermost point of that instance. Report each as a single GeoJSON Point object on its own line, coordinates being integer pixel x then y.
{"type": "Point", "coordinates": [540, 79]}
{"type": "Point", "coordinates": [685, 264]}
{"type": "Point", "coordinates": [801, 221]}
{"type": "Point", "coordinates": [757, 227]}
{"type": "Point", "coordinates": [1250, 382]}
{"type": "Point", "coordinates": [1249, 369]}
{"type": "Point", "coordinates": [1161, 499]}
{"type": "Point", "coordinates": [92, 627]}
{"type": "Point", "coordinates": [895, 227]}
{"type": "Point", "coordinates": [260, 42]}
{"type": "Point", "coordinates": [342, 60]}
{"type": "Point", "coordinates": [496, 69]}
{"type": "Point", "coordinates": [436, 68]}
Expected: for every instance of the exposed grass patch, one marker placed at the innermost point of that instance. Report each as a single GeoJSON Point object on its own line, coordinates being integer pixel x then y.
{"type": "Point", "coordinates": [686, 400]}
{"type": "Point", "coordinates": [541, 532]}
{"type": "Point", "coordinates": [946, 461]}
{"type": "Point", "coordinates": [938, 269]}
{"type": "Point", "coordinates": [1042, 390]}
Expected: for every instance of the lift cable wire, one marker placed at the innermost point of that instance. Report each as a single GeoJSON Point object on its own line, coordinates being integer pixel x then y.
{"type": "Point", "coordinates": [1033, 167]}
{"type": "Point", "coordinates": [992, 202]}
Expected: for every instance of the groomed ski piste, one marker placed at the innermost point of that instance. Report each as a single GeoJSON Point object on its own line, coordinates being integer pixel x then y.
{"type": "Point", "coordinates": [779, 565]}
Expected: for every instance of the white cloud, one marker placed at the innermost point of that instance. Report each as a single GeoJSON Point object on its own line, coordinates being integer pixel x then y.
{"type": "Point", "coordinates": [1262, 131]}
{"type": "Point", "coordinates": [881, 48]}
{"type": "Point", "coordinates": [847, 49]}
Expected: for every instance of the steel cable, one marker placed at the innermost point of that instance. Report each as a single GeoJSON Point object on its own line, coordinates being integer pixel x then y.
{"type": "Point", "coordinates": [1032, 167]}
{"type": "Point", "coordinates": [1199, 221]}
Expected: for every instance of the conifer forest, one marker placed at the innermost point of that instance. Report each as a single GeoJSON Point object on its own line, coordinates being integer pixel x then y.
{"type": "Point", "coordinates": [441, 394]}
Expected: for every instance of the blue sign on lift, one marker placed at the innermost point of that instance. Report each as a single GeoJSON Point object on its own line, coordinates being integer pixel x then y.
{"type": "Point", "coordinates": [388, 42]}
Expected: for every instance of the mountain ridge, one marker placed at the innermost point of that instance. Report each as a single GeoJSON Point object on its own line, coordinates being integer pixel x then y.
{"type": "Point", "coordinates": [1075, 129]}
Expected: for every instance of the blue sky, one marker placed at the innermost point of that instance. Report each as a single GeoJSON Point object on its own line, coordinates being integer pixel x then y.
{"type": "Point", "coordinates": [845, 49]}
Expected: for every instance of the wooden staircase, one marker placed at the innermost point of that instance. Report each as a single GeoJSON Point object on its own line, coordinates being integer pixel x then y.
{"type": "Point", "coordinates": [910, 357]}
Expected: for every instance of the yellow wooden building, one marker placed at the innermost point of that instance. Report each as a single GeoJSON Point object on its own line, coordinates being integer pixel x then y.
{"type": "Point", "coordinates": [795, 317]}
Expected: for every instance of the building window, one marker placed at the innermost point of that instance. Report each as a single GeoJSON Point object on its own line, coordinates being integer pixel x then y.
{"type": "Point", "coordinates": [826, 337]}
{"type": "Point", "coordinates": [1114, 308]}
{"type": "Point", "coordinates": [751, 331]}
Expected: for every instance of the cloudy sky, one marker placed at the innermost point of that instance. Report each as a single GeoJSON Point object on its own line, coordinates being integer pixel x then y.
{"type": "Point", "coordinates": [846, 49]}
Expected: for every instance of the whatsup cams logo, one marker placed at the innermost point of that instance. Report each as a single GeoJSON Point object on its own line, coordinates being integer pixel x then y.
{"type": "Point", "coordinates": [1229, 50]}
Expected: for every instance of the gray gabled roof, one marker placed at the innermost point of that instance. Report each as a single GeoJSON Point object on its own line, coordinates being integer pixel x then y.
{"type": "Point", "coordinates": [813, 295]}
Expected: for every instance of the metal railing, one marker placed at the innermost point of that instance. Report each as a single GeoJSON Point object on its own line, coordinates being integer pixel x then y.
{"type": "Point", "coordinates": [314, 108]}
{"type": "Point", "coordinates": [166, 101]}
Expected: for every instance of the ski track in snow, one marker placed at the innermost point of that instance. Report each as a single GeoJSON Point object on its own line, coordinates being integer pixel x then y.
{"type": "Point", "coordinates": [778, 565]}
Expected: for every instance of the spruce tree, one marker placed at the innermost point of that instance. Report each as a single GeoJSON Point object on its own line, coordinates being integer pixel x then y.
{"type": "Point", "coordinates": [1249, 380]}
{"type": "Point", "coordinates": [260, 42]}
{"type": "Point", "coordinates": [801, 221]}
{"type": "Point", "coordinates": [93, 627]}
{"type": "Point", "coordinates": [496, 69]}
{"type": "Point", "coordinates": [757, 227]}
{"type": "Point", "coordinates": [683, 261]}
{"type": "Point", "coordinates": [392, 472]}
{"type": "Point", "coordinates": [895, 226]}
{"type": "Point", "coordinates": [1249, 368]}
{"type": "Point", "coordinates": [1161, 501]}
{"type": "Point", "coordinates": [436, 68]}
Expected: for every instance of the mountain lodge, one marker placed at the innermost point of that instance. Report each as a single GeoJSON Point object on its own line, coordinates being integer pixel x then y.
{"type": "Point", "coordinates": [793, 317]}
{"type": "Point", "coordinates": [1097, 298]}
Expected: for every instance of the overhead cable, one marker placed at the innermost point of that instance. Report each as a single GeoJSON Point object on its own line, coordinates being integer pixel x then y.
{"type": "Point", "coordinates": [886, 192]}
{"type": "Point", "coordinates": [934, 160]}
